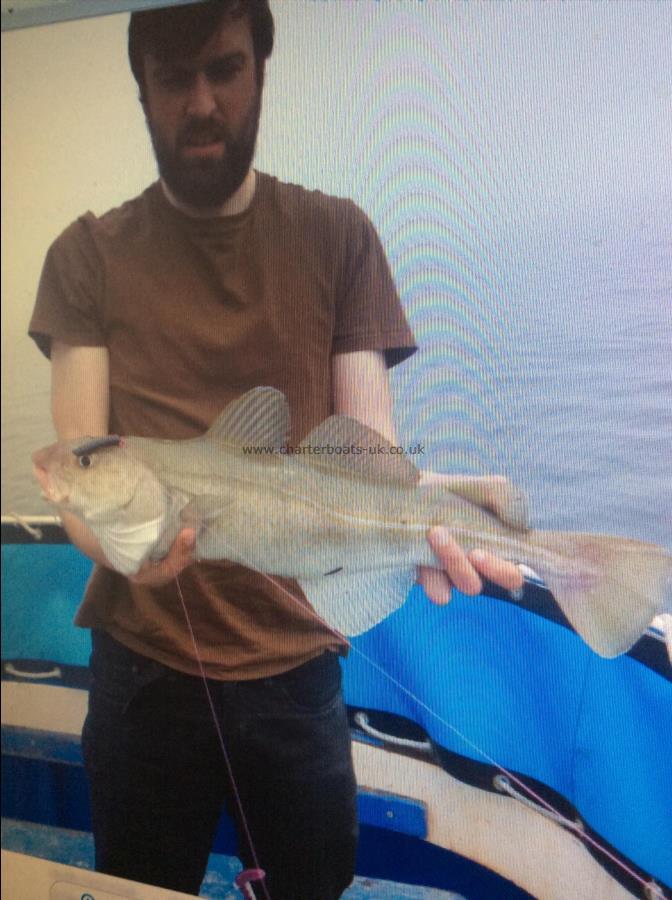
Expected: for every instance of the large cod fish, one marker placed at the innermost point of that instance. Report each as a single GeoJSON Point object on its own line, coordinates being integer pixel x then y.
{"type": "Point", "coordinates": [349, 525]}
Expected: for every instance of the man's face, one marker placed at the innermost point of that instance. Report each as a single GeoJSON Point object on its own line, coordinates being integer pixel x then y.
{"type": "Point", "coordinates": [203, 116]}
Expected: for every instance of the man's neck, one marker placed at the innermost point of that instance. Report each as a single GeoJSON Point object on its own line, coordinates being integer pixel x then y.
{"type": "Point", "coordinates": [236, 204]}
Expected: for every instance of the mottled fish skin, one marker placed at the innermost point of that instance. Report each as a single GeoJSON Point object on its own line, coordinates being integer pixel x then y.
{"type": "Point", "coordinates": [351, 528]}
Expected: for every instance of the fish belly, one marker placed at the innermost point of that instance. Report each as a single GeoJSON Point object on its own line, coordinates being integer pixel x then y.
{"type": "Point", "coordinates": [303, 523]}
{"type": "Point", "coordinates": [298, 535]}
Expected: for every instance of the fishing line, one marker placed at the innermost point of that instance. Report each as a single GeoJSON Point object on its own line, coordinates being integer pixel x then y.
{"type": "Point", "coordinates": [222, 743]}
{"type": "Point", "coordinates": [574, 827]}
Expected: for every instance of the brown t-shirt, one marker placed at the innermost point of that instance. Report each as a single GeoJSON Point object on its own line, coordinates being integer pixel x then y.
{"type": "Point", "coordinates": [194, 312]}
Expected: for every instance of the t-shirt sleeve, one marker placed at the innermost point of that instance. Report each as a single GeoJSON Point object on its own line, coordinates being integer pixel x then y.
{"type": "Point", "coordinates": [68, 305]}
{"type": "Point", "coordinates": [369, 314]}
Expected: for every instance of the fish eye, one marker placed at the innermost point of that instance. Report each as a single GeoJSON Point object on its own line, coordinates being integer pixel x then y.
{"type": "Point", "coordinates": [85, 461]}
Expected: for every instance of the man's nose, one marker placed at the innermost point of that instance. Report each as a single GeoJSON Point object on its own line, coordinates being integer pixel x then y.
{"type": "Point", "coordinates": [201, 100]}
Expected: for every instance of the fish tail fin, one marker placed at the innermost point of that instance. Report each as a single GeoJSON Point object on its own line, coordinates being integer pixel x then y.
{"type": "Point", "coordinates": [609, 588]}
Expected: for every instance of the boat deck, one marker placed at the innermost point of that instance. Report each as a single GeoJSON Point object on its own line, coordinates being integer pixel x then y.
{"type": "Point", "coordinates": [75, 848]}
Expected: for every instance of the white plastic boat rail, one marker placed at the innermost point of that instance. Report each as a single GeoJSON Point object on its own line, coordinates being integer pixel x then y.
{"type": "Point", "coordinates": [362, 722]}
{"type": "Point", "coordinates": [504, 786]}
{"type": "Point", "coordinates": [30, 524]}
{"type": "Point", "coordinates": [10, 669]}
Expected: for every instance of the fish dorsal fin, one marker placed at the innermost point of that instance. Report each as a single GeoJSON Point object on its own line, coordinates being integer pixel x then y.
{"type": "Point", "coordinates": [358, 449]}
{"type": "Point", "coordinates": [495, 494]}
{"type": "Point", "coordinates": [260, 418]}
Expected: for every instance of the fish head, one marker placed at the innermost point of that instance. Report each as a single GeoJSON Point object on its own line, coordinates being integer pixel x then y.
{"type": "Point", "coordinates": [91, 477]}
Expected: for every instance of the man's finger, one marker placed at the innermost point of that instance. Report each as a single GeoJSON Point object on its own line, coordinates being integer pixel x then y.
{"type": "Point", "coordinates": [180, 555]}
{"type": "Point", "coordinates": [436, 584]}
{"type": "Point", "coordinates": [503, 573]}
{"type": "Point", "coordinates": [454, 561]}
{"type": "Point", "coordinates": [182, 548]}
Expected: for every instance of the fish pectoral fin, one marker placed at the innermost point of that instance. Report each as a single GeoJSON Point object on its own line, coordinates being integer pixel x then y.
{"type": "Point", "coordinates": [201, 511]}
{"type": "Point", "coordinates": [359, 449]}
{"type": "Point", "coordinates": [495, 494]}
{"type": "Point", "coordinates": [353, 602]}
{"type": "Point", "coordinates": [126, 546]}
{"type": "Point", "coordinates": [175, 503]}
{"type": "Point", "coordinates": [260, 418]}
{"type": "Point", "coordinates": [132, 534]}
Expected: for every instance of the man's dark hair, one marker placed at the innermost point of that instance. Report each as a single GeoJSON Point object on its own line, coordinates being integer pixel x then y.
{"type": "Point", "coordinates": [183, 30]}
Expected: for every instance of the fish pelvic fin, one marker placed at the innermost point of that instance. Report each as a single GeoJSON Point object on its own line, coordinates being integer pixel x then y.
{"type": "Point", "coordinates": [609, 588]}
{"type": "Point", "coordinates": [260, 418]}
{"type": "Point", "coordinates": [353, 602]}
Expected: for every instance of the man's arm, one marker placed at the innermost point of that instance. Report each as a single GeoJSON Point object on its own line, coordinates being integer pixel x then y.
{"type": "Point", "coordinates": [80, 406]}
{"type": "Point", "coordinates": [361, 389]}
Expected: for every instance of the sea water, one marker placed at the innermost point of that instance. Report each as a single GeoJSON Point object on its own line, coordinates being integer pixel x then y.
{"type": "Point", "coordinates": [561, 379]}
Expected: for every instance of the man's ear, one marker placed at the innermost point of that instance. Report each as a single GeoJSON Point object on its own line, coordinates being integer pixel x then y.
{"type": "Point", "coordinates": [261, 73]}
{"type": "Point", "coordinates": [142, 86]}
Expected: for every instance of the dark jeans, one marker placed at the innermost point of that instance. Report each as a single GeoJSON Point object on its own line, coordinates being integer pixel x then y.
{"type": "Point", "coordinates": [158, 780]}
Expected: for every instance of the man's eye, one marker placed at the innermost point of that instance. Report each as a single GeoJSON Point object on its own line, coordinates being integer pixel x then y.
{"type": "Point", "coordinates": [85, 461]}
{"type": "Point", "coordinates": [220, 72]}
{"type": "Point", "coordinates": [173, 80]}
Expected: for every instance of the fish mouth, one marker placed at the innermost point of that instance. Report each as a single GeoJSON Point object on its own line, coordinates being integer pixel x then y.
{"type": "Point", "coordinates": [50, 491]}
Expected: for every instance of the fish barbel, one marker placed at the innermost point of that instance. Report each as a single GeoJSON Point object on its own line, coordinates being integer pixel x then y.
{"type": "Point", "coordinates": [349, 525]}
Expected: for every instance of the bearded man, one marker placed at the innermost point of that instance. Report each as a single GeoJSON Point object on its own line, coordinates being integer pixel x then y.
{"type": "Point", "coordinates": [217, 279]}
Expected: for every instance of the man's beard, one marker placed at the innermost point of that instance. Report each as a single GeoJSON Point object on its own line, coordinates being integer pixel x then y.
{"type": "Point", "coordinates": [207, 182]}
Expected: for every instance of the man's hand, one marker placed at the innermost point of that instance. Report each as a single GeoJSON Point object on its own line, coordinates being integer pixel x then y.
{"type": "Point", "coordinates": [459, 569]}
{"type": "Point", "coordinates": [463, 571]}
{"type": "Point", "coordinates": [163, 571]}
{"type": "Point", "coordinates": [362, 390]}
